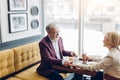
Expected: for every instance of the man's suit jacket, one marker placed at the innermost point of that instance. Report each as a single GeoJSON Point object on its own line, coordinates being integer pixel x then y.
{"type": "Point", "coordinates": [48, 55]}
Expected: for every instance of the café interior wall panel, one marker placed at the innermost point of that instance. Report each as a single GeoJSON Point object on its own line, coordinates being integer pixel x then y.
{"type": "Point", "coordinates": [38, 16]}
{"type": "Point", "coordinates": [7, 16]}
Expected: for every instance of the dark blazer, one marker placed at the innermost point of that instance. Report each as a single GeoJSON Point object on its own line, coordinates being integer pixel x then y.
{"type": "Point", "coordinates": [48, 55]}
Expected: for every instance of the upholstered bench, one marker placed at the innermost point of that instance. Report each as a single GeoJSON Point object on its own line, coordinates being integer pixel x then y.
{"type": "Point", "coordinates": [20, 63]}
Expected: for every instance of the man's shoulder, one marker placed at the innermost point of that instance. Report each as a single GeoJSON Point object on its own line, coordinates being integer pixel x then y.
{"type": "Point", "coordinates": [45, 40]}
{"type": "Point", "coordinates": [60, 38]}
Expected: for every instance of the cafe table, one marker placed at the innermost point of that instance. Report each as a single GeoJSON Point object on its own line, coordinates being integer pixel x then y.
{"type": "Point", "coordinates": [75, 70]}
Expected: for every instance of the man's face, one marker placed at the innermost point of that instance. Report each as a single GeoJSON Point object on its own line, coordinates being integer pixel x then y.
{"type": "Point", "coordinates": [54, 34]}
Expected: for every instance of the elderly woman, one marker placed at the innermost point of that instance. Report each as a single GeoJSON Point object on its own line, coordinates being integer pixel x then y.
{"type": "Point", "coordinates": [110, 64]}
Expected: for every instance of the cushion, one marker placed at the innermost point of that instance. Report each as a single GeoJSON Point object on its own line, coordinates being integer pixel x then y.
{"type": "Point", "coordinates": [6, 62]}
{"type": "Point", "coordinates": [26, 55]}
{"type": "Point", "coordinates": [30, 74]}
{"type": "Point", "coordinates": [13, 78]}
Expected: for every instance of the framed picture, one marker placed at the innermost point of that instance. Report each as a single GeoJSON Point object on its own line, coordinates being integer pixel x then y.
{"type": "Point", "coordinates": [17, 22]}
{"type": "Point", "coordinates": [14, 5]}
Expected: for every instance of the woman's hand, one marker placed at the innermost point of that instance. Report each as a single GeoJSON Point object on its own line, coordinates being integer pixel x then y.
{"type": "Point", "coordinates": [76, 66]}
{"type": "Point", "coordinates": [89, 58]}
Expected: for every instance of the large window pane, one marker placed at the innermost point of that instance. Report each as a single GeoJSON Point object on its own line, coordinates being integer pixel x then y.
{"type": "Point", "coordinates": [65, 14]}
{"type": "Point", "coordinates": [100, 16]}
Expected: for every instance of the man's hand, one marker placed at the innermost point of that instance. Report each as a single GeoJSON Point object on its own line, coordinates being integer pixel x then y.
{"type": "Point", "coordinates": [73, 54]}
{"type": "Point", "coordinates": [67, 63]}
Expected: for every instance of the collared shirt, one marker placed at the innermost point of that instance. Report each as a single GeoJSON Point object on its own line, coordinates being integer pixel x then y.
{"type": "Point", "coordinates": [56, 47]}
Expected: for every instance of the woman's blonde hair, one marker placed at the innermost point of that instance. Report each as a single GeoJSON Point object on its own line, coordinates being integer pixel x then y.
{"type": "Point", "coordinates": [114, 38]}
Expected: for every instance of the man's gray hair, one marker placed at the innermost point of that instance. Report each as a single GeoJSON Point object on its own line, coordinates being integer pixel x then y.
{"type": "Point", "coordinates": [51, 26]}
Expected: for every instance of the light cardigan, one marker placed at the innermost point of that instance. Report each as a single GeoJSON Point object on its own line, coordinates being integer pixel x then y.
{"type": "Point", "coordinates": [110, 64]}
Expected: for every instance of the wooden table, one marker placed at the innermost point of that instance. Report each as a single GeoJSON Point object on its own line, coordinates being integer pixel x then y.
{"type": "Point", "coordinates": [78, 71]}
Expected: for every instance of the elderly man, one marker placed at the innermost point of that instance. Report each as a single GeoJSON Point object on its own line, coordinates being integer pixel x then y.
{"type": "Point", "coordinates": [52, 52]}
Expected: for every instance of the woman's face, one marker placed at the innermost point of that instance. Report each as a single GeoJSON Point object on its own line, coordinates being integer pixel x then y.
{"type": "Point", "coordinates": [106, 42]}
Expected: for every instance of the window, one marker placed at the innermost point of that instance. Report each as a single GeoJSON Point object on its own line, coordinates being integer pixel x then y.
{"type": "Point", "coordinates": [100, 16]}
{"type": "Point", "coordinates": [65, 14]}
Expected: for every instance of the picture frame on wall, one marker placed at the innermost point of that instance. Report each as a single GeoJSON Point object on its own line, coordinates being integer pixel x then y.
{"type": "Point", "coordinates": [17, 22]}
{"type": "Point", "coordinates": [17, 5]}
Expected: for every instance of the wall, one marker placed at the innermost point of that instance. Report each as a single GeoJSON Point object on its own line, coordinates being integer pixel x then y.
{"type": "Point", "coordinates": [9, 40]}
{"type": "Point", "coordinates": [6, 36]}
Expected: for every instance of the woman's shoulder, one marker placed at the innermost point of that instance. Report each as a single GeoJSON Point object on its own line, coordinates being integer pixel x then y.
{"type": "Point", "coordinates": [115, 54]}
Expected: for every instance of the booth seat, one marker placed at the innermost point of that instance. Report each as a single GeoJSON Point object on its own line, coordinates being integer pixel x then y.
{"type": "Point", "coordinates": [6, 62]}
{"type": "Point", "coordinates": [20, 63]}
